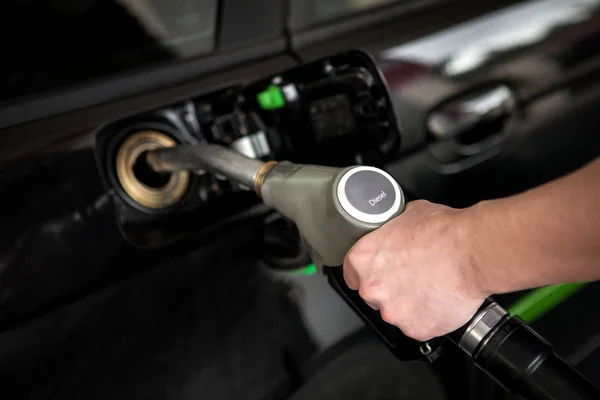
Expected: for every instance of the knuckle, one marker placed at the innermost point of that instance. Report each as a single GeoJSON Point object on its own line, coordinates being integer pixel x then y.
{"type": "Point", "coordinates": [355, 258]}
{"type": "Point", "coordinates": [418, 332]}
{"type": "Point", "coordinates": [350, 278]}
{"type": "Point", "coordinates": [371, 292]}
{"type": "Point", "coordinates": [418, 204]}
{"type": "Point", "coordinates": [350, 259]}
{"type": "Point", "coordinates": [388, 314]}
{"type": "Point", "coordinates": [412, 332]}
{"type": "Point", "coordinates": [411, 325]}
{"type": "Point", "coordinates": [381, 259]}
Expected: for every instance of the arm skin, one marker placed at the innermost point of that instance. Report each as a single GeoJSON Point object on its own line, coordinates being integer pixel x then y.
{"type": "Point", "coordinates": [429, 269]}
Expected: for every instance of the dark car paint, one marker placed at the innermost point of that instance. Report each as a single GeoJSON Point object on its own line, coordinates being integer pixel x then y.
{"type": "Point", "coordinates": [37, 135]}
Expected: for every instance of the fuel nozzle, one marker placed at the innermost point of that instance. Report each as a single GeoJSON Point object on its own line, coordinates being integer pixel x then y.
{"type": "Point", "coordinates": [332, 207]}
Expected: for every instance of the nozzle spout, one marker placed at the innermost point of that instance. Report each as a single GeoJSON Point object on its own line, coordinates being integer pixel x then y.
{"type": "Point", "coordinates": [208, 157]}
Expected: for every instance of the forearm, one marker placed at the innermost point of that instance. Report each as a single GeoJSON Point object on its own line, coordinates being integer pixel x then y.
{"type": "Point", "coordinates": [548, 235]}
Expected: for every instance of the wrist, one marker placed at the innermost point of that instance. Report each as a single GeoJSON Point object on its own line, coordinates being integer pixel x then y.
{"type": "Point", "coordinates": [485, 237]}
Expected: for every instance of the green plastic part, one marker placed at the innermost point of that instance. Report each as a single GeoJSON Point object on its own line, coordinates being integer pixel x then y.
{"type": "Point", "coordinates": [310, 269]}
{"type": "Point", "coordinates": [539, 301]}
{"type": "Point", "coordinates": [271, 99]}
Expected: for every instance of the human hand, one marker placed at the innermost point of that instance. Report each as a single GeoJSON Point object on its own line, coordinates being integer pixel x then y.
{"type": "Point", "coordinates": [418, 270]}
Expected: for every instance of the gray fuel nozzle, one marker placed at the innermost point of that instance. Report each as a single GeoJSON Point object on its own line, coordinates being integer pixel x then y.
{"type": "Point", "coordinates": [332, 207]}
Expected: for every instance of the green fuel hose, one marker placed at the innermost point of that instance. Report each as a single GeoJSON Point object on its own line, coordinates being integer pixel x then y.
{"type": "Point", "coordinates": [539, 301]}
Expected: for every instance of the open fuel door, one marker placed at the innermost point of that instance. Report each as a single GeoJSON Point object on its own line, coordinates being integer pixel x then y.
{"type": "Point", "coordinates": [335, 111]}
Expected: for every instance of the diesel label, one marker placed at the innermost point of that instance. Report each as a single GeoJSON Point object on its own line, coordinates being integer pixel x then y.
{"type": "Point", "coordinates": [377, 199]}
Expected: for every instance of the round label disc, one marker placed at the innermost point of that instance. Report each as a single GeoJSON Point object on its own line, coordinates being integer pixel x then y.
{"type": "Point", "coordinates": [369, 194]}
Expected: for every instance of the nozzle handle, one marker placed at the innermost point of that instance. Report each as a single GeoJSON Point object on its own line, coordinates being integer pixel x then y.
{"type": "Point", "coordinates": [332, 207]}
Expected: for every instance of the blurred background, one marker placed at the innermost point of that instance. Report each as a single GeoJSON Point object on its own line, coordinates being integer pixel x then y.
{"type": "Point", "coordinates": [102, 298]}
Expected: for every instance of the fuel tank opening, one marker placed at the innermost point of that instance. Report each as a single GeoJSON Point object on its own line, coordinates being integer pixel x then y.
{"type": "Point", "coordinates": [139, 181]}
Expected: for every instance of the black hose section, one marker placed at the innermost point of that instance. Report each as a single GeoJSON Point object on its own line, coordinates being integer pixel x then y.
{"type": "Point", "coordinates": [521, 361]}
